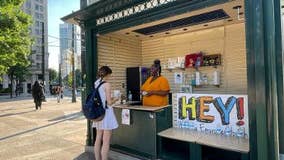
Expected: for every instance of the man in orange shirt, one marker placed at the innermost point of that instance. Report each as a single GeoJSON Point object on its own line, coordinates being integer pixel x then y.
{"type": "Point", "coordinates": [156, 88]}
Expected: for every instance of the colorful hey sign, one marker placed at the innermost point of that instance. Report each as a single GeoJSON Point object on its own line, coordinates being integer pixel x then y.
{"type": "Point", "coordinates": [219, 114]}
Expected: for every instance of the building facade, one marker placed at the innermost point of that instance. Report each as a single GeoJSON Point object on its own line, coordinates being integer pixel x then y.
{"type": "Point", "coordinates": [66, 48]}
{"type": "Point", "coordinates": [38, 10]}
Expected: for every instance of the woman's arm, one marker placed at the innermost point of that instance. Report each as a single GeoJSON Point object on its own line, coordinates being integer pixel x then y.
{"type": "Point", "coordinates": [159, 93]}
{"type": "Point", "coordinates": [110, 100]}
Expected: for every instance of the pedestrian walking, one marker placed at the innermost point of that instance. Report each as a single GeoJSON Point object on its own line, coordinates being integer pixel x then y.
{"type": "Point", "coordinates": [61, 90]}
{"type": "Point", "coordinates": [37, 93]}
{"type": "Point", "coordinates": [58, 93]}
{"type": "Point", "coordinates": [104, 127]}
{"type": "Point", "coordinates": [43, 91]}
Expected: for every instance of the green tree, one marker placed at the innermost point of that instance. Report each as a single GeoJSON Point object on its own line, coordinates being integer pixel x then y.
{"type": "Point", "coordinates": [15, 39]}
{"type": "Point", "coordinates": [53, 75]}
{"type": "Point", "coordinates": [18, 72]}
{"type": "Point", "coordinates": [67, 80]}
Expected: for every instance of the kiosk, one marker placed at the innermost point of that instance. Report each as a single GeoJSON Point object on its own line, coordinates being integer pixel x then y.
{"type": "Point", "coordinates": [243, 37]}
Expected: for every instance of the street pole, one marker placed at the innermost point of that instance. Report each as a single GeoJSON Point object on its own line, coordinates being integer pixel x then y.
{"type": "Point", "coordinates": [59, 74]}
{"type": "Point", "coordinates": [43, 54]}
{"type": "Point", "coordinates": [73, 66]}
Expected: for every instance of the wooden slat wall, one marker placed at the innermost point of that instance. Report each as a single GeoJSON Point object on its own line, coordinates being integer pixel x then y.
{"type": "Point", "coordinates": [229, 41]}
{"type": "Point", "coordinates": [119, 53]}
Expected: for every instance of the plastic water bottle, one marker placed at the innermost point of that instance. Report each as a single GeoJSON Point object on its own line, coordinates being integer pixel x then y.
{"type": "Point", "coordinates": [228, 131]}
{"type": "Point", "coordinates": [218, 129]}
{"type": "Point", "coordinates": [129, 96]}
{"type": "Point", "coordinates": [186, 124]}
{"type": "Point", "coordinates": [241, 132]}
{"type": "Point", "coordinates": [192, 126]}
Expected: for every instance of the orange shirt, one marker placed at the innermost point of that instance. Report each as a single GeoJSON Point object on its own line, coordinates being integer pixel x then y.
{"type": "Point", "coordinates": [159, 84]}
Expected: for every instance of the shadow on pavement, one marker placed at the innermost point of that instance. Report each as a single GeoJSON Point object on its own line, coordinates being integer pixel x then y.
{"type": "Point", "coordinates": [85, 156]}
{"type": "Point", "coordinates": [37, 128]}
{"type": "Point", "coordinates": [71, 116]}
{"type": "Point", "coordinates": [12, 114]}
{"type": "Point", "coordinates": [19, 98]}
{"type": "Point", "coordinates": [11, 109]}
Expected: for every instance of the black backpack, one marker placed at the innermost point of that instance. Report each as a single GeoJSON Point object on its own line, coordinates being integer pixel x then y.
{"type": "Point", "coordinates": [93, 108]}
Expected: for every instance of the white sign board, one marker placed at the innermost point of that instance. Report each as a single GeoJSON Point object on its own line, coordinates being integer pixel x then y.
{"type": "Point", "coordinates": [218, 114]}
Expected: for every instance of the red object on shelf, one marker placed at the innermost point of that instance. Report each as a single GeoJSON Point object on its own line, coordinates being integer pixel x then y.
{"type": "Point", "coordinates": [193, 60]}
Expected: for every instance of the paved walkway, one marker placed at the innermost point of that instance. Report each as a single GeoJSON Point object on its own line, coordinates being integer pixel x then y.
{"type": "Point", "coordinates": [56, 132]}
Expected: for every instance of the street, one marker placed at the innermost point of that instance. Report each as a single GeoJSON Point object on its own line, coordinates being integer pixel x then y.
{"type": "Point", "coordinates": [57, 131]}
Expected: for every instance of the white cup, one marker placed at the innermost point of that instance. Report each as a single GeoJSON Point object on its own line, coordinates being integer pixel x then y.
{"type": "Point", "coordinates": [116, 94]}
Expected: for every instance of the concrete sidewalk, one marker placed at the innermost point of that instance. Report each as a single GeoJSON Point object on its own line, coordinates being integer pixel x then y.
{"type": "Point", "coordinates": [56, 132]}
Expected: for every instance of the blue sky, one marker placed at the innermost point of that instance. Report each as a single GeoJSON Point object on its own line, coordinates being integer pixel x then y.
{"type": "Point", "coordinates": [56, 10]}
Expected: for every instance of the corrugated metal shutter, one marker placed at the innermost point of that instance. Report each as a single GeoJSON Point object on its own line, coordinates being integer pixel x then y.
{"type": "Point", "coordinates": [229, 41]}
{"type": "Point", "coordinates": [120, 52]}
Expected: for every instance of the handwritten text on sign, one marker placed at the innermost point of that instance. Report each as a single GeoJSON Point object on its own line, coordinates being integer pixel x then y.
{"type": "Point", "coordinates": [214, 113]}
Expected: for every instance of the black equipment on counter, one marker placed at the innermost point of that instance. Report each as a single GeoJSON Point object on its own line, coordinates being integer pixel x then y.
{"type": "Point", "coordinates": [135, 77]}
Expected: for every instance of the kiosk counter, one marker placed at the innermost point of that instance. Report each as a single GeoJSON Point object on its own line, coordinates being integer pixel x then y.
{"type": "Point", "coordinates": [138, 129]}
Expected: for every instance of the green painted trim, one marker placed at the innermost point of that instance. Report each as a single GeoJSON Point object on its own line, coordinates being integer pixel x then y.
{"type": "Point", "coordinates": [279, 67]}
{"type": "Point", "coordinates": [270, 37]}
{"type": "Point", "coordinates": [251, 59]}
{"type": "Point", "coordinates": [261, 43]}
{"type": "Point", "coordinates": [88, 61]}
{"type": "Point", "coordinates": [91, 71]}
{"type": "Point", "coordinates": [256, 81]}
{"type": "Point", "coordinates": [244, 157]}
{"type": "Point", "coordinates": [195, 152]}
{"type": "Point", "coordinates": [100, 9]}
{"type": "Point", "coordinates": [158, 13]}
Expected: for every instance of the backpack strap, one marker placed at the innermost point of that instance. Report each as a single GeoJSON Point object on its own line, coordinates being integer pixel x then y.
{"type": "Point", "coordinates": [97, 90]}
{"type": "Point", "coordinates": [101, 83]}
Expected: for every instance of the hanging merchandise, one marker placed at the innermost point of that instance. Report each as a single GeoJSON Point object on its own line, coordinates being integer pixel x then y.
{"type": "Point", "coordinates": [212, 60]}
{"type": "Point", "coordinates": [192, 79]}
{"type": "Point", "coordinates": [204, 79]}
{"type": "Point", "coordinates": [193, 60]}
{"type": "Point", "coordinates": [180, 62]}
{"type": "Point", "coordinates": [178, 78]}
{"type": "Point", "coordinates": [197, 78]}
{"type": "Point", "coordinates": [216, 77]}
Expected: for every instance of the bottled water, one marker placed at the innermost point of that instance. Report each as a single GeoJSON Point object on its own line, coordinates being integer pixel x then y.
{"type": "Point", "coordinates": [218, 130]}
{"type": "Point", "coordinates": [202, 127]}
{"type": "Point", "coordinates": [241, 132]}
{"type": "Point", "coordinates": [129, 96]}
{"type": "Point", "coordinates": [228, 131]}
{"type": "Point", "coordinates": [191, 126]}
{"type": "Point", "coordinates": [183, 125]}
{"type": "Point", "coordinates": [186, 124]}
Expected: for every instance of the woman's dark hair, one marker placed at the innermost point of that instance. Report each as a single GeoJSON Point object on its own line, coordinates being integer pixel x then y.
{"type": "Point", "coordinates": [36, 83]}
{"type": "Point", "coordinates": [157, 64]}
{"type": "Point", "coordinates": [104, 71]}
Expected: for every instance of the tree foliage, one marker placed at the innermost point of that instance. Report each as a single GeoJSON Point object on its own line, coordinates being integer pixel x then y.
{"type": "Point", "coordinates": [17, 72]}
{"type": "Point", "coordinates": [53, 75]}
{"type": "Point", "coordinates": [15, 39]}
{"type": "Point", "coordinates": [68, 79]}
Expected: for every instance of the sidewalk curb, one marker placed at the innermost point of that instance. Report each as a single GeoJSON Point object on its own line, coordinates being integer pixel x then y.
{"type": "Point", "coordinates": [89, 149]}
{"type": "Point", "coordinates": [113, 155]}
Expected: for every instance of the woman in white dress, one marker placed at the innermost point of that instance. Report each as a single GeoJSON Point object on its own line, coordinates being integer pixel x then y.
{"type": "Point", "coordinates": [104, 128]}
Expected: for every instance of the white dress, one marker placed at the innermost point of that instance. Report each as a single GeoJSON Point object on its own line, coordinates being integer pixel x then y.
{"type": "Point", "coordinates": [109, 122]}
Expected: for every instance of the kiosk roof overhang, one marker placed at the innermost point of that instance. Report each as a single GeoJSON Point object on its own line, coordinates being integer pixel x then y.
{"type": "Point", "coordinates": [100, 10]}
